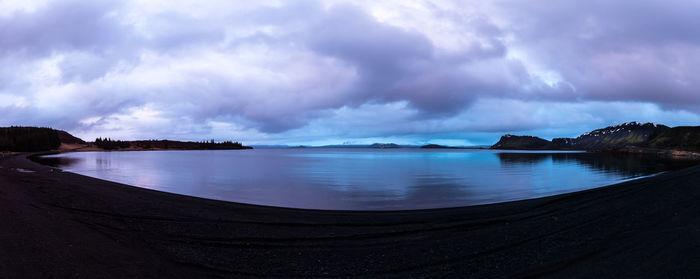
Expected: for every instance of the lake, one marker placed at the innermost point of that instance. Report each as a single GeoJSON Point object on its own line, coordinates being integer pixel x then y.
{"type": "Point", "coordinates": [364, 179]}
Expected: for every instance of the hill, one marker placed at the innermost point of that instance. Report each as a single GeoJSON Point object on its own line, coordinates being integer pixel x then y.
{"type": "Point", "coordinates": [683, 137]}
{"type": "Point", "coordinates": [521, 142]}
{"type": "Point", "coordinates": [67, 138]}
{"type": "Point", "coordinates": [632, 133]}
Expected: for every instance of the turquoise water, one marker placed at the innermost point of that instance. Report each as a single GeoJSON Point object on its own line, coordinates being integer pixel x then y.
{"type": "Point", "coordinates": [363, 179]}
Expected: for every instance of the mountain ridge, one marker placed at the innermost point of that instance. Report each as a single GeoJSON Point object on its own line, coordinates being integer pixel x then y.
{"type": "Point", "coordinates": [629, 134]}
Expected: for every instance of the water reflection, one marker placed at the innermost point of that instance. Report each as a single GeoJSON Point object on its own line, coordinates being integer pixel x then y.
{"type": "Point", "coordinates": [515, 159]}
{"type": "Point", "coordinates": [367, 179]}
{"type": "Point", "coordinates": [428, 192]}
{"type": "Point", "coordinates": [103, 163]}
{"type": "Point", "coordinates": [56, 161]}
{"type": "Point", "coordinates": [625, 164]}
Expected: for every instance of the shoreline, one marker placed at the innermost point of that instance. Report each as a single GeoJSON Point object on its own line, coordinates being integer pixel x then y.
{"type": "Point", "coordinates": [60, 224]}
{"type": "Point", "coordinates": [669, 153]}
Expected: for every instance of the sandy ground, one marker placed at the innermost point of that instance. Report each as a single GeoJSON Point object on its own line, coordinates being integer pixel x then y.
{"type": "Point", "coordinates": [77, 148]}
{"type": "Point", "coordinates": [61, 225]}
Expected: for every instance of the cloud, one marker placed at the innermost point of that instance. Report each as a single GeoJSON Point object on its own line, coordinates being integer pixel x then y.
{"type": "Point", "coordinates": [93, 26]}
{"type": "Point", "coordinates": [287, 71]}
{"type": "Point", "coordinates": [614, 51]}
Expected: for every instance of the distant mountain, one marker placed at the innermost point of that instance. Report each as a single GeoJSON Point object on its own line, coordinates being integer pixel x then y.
{"type": "Point", "coordinates": [384, 145]}
{"type": "Point", "coordinates": [626, 134]}
{"type": "Point", "coordinates": [439, 146]}
{"type": "Point", "coordinates": [274, 146]}
{"type": "Point", "coordinates": [374, 145]}
{"type": "Point", "coordinates": [683, 137]}
{"type": "Point", "coordinates": [344, 146]}
{"type": "Point", "coordinates": [435, 146]}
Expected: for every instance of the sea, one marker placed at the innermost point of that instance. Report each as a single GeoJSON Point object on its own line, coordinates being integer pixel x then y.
{"type": "Point", "coordinates": [365, 178]}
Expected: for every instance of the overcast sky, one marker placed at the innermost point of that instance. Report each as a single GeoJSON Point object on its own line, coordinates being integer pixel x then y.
{"type": "Point", "coordinates": [320, 72]}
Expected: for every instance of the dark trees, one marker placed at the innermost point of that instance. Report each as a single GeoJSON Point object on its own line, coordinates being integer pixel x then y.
{"type": "Point", "coordinates": [28, 139]}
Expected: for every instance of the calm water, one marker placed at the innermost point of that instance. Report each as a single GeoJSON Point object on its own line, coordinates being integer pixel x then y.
{"type": "Point", "coordinates": [369, 179]}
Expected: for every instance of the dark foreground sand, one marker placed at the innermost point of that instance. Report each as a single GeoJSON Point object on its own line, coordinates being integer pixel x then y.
{"type": "Point", "coordinates": [64, 225]}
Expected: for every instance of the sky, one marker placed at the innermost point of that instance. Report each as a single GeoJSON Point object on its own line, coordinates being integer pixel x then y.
{"type": "Point", "coordinates": [330, 72]}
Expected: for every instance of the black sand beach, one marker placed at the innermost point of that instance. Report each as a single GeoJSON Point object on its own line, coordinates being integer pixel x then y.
{"type": "Point", "coordinates": [63, 225]}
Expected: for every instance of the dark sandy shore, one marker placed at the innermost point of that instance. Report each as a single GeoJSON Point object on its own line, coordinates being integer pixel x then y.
{"type": "Point", "coordinates": [64, 225]}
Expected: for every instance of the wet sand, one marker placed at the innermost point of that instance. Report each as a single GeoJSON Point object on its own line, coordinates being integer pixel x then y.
{"type": "Point", "coordinates": [62, 225]}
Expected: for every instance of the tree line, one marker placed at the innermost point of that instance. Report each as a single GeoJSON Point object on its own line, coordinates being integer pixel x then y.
{"type": "Point", "coordinates": [28, 139]}
{"type": "Point", "coordinates": [109, 144]}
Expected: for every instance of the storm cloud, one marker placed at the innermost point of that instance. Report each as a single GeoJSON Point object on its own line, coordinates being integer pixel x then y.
{"type": "Point", "coordinates": [333, 71]}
